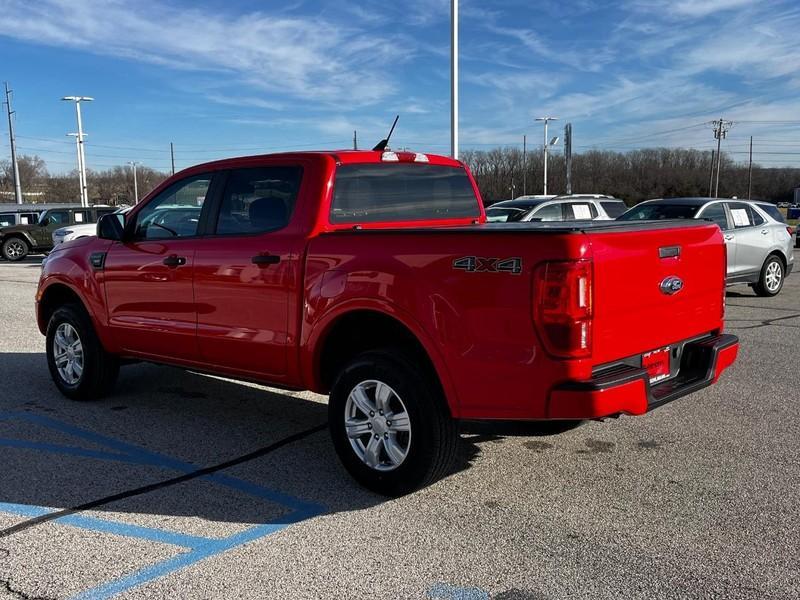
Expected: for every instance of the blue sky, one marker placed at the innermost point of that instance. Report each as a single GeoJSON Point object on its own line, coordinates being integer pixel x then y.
{"type": "Point", "coordinates": [241, 77]}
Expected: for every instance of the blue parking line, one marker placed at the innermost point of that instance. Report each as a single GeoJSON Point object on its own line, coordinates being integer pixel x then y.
{"type": "Point", "coordinates": [68, 450]}
{"type": "Point", "coordinates": [102, 525]}
{"type": "Point", "coordinates": [199, 548]}
{"type": "Point", "coordinates": [135, 454]}
{"type": "Point", "coordinates": [445, 591]}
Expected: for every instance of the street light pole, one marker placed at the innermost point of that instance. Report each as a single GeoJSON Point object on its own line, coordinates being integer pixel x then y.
{"type": "Point", "coordinates": [133, 164]}
{"type": "Point", "coordinates": [80, 165]}
{"type": "Point", "coordinates": [81, 154]}
{"type": "Point", "coordinates": [454, 79]}
{"type": "Point", "coordinates": [546, 121]}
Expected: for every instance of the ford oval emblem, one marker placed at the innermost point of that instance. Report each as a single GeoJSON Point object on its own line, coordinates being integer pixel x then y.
{"type": "Point", "coordinates": [671, 285]}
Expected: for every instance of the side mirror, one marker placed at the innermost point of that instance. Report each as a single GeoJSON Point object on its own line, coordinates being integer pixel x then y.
{"type": "Point", "coordinates": [111, 227]}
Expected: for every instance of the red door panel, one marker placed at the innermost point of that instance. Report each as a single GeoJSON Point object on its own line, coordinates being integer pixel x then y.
{"type": "Point", "coordinates": [151, 304]}
{"type": "Point", "coordinates": [243, 307]}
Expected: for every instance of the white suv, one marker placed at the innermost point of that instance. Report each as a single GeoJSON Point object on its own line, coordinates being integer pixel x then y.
{"type": "Point", "coordinates": [576, 207]}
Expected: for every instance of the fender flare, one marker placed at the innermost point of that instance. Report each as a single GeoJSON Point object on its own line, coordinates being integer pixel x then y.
{"type": "Point", "coordinates": [313, 341]}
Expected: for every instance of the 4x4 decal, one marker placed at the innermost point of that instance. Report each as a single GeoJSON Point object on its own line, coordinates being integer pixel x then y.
{"type": "Point", "coordinates": [479, 264]}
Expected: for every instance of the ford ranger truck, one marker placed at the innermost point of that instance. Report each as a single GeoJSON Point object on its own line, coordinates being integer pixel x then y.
{"type": "Point", "coordinates": [373, 277]}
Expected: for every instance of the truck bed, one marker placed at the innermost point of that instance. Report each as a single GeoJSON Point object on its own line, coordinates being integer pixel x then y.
{"type": "Point", "coordinates": [473, 290]}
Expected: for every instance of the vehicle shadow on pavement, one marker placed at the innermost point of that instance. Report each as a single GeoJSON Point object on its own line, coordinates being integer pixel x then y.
{"type": "Point", "coordinates": [162, 423]}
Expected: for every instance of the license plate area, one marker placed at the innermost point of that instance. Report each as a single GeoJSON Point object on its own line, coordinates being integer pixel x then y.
{"type": "Point", "coordinates": [658, 364]}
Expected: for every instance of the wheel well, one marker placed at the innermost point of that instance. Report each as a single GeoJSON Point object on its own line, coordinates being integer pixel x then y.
{"type": "Point", "coordinates": [363, 330]}
{"type": "Point", "coordinates": [780, 255]}
{"type": "Point", "coordinates": [55, 296]}
{"type": "Point", "coordinates": [17, 236]}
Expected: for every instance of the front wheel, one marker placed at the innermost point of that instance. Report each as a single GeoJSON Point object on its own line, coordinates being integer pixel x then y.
{"type": "Point", "coordinates": [390, 425]}
{"type": "Point", "coordinates": [78, 363]}
{"type": "Point", "coordinates": [771, 280]}
{"type": "Point", "coordinates": [15, 249]}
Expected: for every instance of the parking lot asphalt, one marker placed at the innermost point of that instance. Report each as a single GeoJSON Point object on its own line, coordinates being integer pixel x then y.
{"type": "Point", "coordinates": [183, 485]}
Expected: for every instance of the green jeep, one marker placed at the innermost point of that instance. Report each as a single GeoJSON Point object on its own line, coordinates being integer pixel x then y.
{"type": "Point", "coordinates": [17, 241]}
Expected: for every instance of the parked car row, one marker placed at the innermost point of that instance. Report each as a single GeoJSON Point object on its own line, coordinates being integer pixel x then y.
{"type": "Point", "coordinates": [758, 239]}
{"type": "Point", "coordinates": [575, 207]}
{"type": "Point", "coordinates": [79, 230]}
{"type": "Point", "coordinates": [23, 238]}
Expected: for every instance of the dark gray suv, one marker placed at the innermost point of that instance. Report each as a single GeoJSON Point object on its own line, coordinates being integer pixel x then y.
{"type": "Point", "coordinates": [17, 241]}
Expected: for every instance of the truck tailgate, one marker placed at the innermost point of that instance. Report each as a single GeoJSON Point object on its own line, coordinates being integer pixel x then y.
{"type": "Point", "coordinates": [636, 310]}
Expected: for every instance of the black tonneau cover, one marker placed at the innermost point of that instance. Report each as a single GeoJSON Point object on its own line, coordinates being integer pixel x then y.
{"type": "Point", "coordinates": [549, 227]}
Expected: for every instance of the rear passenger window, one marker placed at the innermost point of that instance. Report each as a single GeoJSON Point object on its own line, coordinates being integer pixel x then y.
{"type": "Point", "coordinates": [576, 211]}
{"type": "Point", "coordinates": [258, 200]}
{"type": "Point", "coordinates": [83, 216]}
{"type": "Point", "coordinates": [743, 215]}
{"type": "Point", "coordinates": [7, 220]}
{"type": "Point", "coordinates": [756, 218]}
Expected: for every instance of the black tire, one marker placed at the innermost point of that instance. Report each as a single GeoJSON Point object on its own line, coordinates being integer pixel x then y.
{"type": "Point", "coordinates": [766, 288]}
{"type": "Point", "coordinates": [100, 368]}
{"type": "Point", "coordinates": [433, 437]}
{"type": "Point", "coordinates": [15, 248]}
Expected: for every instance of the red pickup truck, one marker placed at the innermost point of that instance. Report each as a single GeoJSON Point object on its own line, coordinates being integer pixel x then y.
{"type": "Point", "coordinates": [373, 277]}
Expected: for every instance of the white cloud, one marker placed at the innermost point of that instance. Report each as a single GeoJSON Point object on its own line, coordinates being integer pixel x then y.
{"type": "Point", "coordinates": [309, 58]}
{"type": "Point", "coordinates": [690, 8]}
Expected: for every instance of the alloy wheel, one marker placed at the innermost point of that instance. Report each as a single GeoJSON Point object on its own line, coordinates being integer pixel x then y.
{"type": "Point", "coordinates": [68, 354]}
{"type": "Point", "coordinates": [377, 425]}
{"type": "Point", "coordinates": [773, 276]}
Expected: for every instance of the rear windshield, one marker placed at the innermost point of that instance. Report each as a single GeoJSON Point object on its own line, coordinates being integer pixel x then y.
{"type": "Point", "coordinates": [367, 193]}
{"type": "Point", "coordinates": [505, 215]}
{"type": "Point", "coordinates": [773, 211]}
{"type": "Point", "coordinates": [614, 209]}
{"type": "Point", "coordinates": [656, 212]}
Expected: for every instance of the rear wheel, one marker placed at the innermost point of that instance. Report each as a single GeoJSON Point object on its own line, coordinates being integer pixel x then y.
{"type": "Point", "coordinates": [390, 425]}
{"type": "Point", "coordinates": [771, 279]}
{"type": "Point", "coordinates": [78, 363]}
{"type": "Point", "coordinates": [15, 249]}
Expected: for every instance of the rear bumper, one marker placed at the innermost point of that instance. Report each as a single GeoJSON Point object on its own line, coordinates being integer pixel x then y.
{"type": "Point", "coordinates": [627, 389]}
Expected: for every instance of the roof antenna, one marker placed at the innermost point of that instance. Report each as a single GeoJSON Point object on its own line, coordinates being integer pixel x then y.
{"type": "Point", "coordinates": [385, 142]}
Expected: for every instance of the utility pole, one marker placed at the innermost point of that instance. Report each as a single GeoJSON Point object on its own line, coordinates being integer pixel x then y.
{"type": "Point", "coordinates": [524, 165]}
{"type": "Point", "coordinates": [81, 154]}
{"type": "Point", "coordinates": [711, 176]}
{"type": "Point", "coordinates": [355, 140]}
{"type": "Point", "coordinates": [721, 128]}
{"type": "Point", "coordinates": [546, 121]}
{"type": "Point", "coordinates": [133, 164]}
{"type": "Point", "coordinates": [454, 79]}
{"type": "Point", "coordinates": [13, 142]}
{"type": "Point", "coordinates": [568, 155]}
{"type": "Point", "coordinates": [750, 171]}
{"type": "Point", "coordinates": [172, 156]}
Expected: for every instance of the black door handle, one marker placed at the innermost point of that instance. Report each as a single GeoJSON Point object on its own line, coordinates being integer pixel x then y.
{"type": "Point", "coordinates": [265, 259]}
{"type": "Point", "coordinates": [174, 261]}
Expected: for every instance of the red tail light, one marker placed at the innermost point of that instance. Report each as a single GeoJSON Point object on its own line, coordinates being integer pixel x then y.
{"type": "Point", "coordinates": [790, 230]}
{"type": "Point", "coordinates": [562, 306]}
